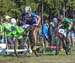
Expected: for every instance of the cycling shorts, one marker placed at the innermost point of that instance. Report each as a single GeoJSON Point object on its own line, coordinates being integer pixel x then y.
{"type": "Point", "coordinates": [70, 33]}
{"type": "Point", "coordinates": [74, 33]}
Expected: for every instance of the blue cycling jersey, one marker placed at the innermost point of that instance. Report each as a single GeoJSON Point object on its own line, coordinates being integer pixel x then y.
{"type": "Point", "coordinates": [44, 29]}
{"type": "Point", "coordinates": [31, 19]}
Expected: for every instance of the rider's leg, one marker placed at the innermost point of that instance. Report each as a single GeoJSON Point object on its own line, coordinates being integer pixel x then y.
{"type": "Point", "coordinates": [73, 37]}
{"type": "Point", "coordinates": [69, 37]}
{"type": "Point", "coordinates": [9, 41]}
{"type": "Point", "coordinates": [34, 47]}
{"type": "Point", "coordinates": [34, 36]}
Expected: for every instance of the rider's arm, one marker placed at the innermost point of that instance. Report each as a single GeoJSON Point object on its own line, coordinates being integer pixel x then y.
{"type": "Point", "coordinates": [39, 19]}
{"type": "Point", "coordinates": [21, 16]}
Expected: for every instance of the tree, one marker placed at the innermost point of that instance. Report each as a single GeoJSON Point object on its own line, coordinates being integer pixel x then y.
{"type": "Point", "coordinates": [52, 7]}
{"type": "Point", "coordinates": [5, 6]}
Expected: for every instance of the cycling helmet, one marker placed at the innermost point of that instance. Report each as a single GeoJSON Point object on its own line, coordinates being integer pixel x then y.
{"type": "Point", "coordinates": [13, 21]}
{"type": "Point", "coordinates": [27, 9]}
{"type": "Point", "coordinates": [7, 17]}
{"type": "Point", "coordinates": [55, 19]}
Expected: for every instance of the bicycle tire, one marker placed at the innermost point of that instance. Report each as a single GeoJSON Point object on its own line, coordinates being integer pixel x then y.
{"type": "Point", "coordinates": [25, 46]}
{"type": "Point", "coordinates": [69, 49]}
{"type": "Point", "coordinates": [42, 44]}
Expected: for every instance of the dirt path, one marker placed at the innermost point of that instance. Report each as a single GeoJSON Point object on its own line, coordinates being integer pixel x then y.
{"type": "Point", "coordinates": [41, 59]}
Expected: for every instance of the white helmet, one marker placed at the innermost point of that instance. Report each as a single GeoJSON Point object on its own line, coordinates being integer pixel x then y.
{"type": "Point", "coordinates": [55, 20]}
{"type": "Point", "coordinates": [27, 9]}
{"type": "Point", "coordinates": [13, 21]}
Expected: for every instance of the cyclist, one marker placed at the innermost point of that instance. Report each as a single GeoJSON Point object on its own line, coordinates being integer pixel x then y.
{"type": "Point", "coordinates": [68, 26]}
{"type": "Point", "coordinates": [73, 30]}
{"type": "Point", "coordinates": [44, 33]}
{"type": "Point", "coordinates": [60, 29]}
{"type": "Point", "coordinates": [45, 28]}
{"type": "Point", "coordinates": [12, 30]}
{"type": "Point", "coordinates": [31, 18]}
{"type": "Point", "coordinates": [7, 28]}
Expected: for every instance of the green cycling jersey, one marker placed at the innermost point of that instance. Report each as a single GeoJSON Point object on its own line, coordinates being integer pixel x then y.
{"type": "Point", "coordinates": [13, 30]}
{"type": "Point", "coordinates": [67, 23]}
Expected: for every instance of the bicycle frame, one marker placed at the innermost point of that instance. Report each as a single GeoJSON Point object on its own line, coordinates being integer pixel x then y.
{"type": "Point", "coordinates": [28, 37]}
{"type": "Point", "coordinates": [61, 37]}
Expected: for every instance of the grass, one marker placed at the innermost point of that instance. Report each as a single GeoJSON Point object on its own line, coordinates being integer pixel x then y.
{"type": "Point", "coordinates": [47, 58]}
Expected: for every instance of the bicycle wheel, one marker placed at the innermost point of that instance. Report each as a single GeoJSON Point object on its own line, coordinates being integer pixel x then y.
{"type": "Point", "coordinates": [69, 45]}
{"type": "Point", "coordinates": [42, 44]}
{"type": "Point", "coordinates": [69, 49]}
{"type": "Point", "coordinates": [24, 46]}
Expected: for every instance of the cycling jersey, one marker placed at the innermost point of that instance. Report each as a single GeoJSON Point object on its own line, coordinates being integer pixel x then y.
{"type": "Point", "coordinates": [31, 19]}
{"type": "Point", "coordinates": [67, 24]}
{"type": "Point", "coordinates": [44, 29]}
{"type": "Point", "coordinates": [7, 28]}
{"type": "Point", "coordinates": [13, 30]}
{"type": "Point", "coordinates": [17, 32]}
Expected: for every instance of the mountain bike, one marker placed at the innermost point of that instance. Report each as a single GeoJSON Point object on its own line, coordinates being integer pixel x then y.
{"type": "Point", "coordinates": [60, 37]}
{"type": "Point", "coordinates": [27, 42]}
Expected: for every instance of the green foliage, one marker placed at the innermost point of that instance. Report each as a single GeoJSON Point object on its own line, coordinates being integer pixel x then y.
{"type": "Point", "coordinates": [53, 7]}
